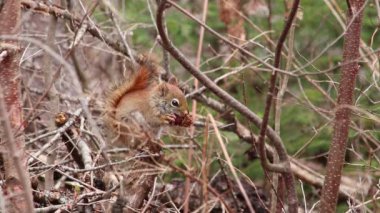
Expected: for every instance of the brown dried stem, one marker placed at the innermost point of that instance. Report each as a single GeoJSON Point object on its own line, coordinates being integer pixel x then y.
{"type": "Point", "coordinates": [194, 104]}
{"type": "Point", "coordinates": [229, 163]}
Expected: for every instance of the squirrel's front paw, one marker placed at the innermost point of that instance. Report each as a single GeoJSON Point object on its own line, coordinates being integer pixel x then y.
{"type": "Point", "coordinates": [168, 118]}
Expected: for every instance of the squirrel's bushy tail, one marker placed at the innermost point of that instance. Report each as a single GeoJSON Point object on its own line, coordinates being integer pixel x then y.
{"type": "Point", "coordinates": [146, 74]}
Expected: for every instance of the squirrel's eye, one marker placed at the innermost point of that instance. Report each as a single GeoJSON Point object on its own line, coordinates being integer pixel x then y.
{"type": "Point", "coordinates": [175, 102]}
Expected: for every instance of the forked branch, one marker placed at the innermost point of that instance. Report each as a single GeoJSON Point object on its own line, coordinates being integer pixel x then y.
{"type": "Point", "coordinates": [284, 167]}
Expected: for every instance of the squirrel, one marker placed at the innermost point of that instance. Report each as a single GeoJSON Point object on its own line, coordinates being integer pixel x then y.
{"type": "Point", "coordinates": [148, 99]}
{"type": "Point", "coordinates": [143, 100]}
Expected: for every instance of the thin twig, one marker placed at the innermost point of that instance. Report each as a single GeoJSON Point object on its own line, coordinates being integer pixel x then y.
{"type": "Point", "coordinates": [122, 37]}
{"type": "Point", "coordinates": [192, 177]}
{"type": "Point", "coordinates": [58, 133]}
{"type": "Point", "coordinates": [209, 29]}
{"type": "Point", "coordinates": [228, 181]}
{"type": "Point", "coordinates": [204, 166]}
{"type": "Point", "coordinates": [151, 196]}
{"type": "Point", "coordinates": [194, 104]}
{"type": "Point", "coordinates": [61, 13]}
{"type": "Point", "coordinates": [229, 163]}
{"type": "Point", "coordinates": [50, 208]}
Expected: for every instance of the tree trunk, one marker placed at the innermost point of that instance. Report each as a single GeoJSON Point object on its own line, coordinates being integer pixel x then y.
{"type": "Point", "coordinates": [14, 156]}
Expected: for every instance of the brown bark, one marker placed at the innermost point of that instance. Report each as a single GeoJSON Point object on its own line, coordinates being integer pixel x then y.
{"type": "Point", "coordinates": [350, 70]}
{"type": "Point", "coordinates": [9, 80]}
{"type": "Point", "coordinates": [15, 159]}
{"type": "Point", "coordinates": [228, 10]}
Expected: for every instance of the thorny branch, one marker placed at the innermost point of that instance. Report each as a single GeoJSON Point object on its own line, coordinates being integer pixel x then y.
{"type": "Point", "coordinates": [342, 115]}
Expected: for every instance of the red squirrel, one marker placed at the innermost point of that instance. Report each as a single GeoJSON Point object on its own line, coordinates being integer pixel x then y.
{"type": "Point", "coordinates": [145, 96]}
{"type": "Point", "coordinates": [143, 100]}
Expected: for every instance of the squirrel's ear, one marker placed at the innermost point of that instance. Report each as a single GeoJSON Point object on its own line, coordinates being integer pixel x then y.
{"type": "Point", "coordinates": [163, 89]}
{"type": "Point", "coordinates": [173, 80]}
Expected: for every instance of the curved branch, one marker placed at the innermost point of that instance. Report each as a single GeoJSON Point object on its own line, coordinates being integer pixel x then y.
{"type": "Point", "coordinates": [227, 98]}
{"type": "Point", "coordinates": [284, 167]}
{"type": "Point", "coordinates": [264, 125]}
{"type": "Point", "coordinates": [272, 87]}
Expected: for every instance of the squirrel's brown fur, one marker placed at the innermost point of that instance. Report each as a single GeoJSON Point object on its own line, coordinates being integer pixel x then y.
{"type": "Point", "coordinates": [144, 93]}
{"type": "Point", "coordinates": [145, 74]}
{"type": "Point", "coordinates": [140, 101]}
